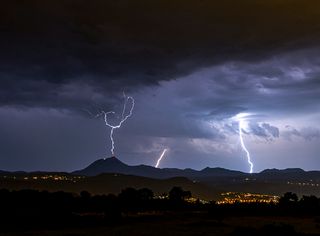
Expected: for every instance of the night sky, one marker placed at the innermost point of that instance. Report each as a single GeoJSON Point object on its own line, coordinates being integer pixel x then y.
{"type": "Point", "coordinates": [192, 67]}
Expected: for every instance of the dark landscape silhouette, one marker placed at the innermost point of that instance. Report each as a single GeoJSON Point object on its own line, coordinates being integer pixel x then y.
{"type": "Point", "coordinates": [110, 175]}
{"type": "Point", "coordinates": [37, 211]}
{"type": "Point", "coordinates": [112, 196]}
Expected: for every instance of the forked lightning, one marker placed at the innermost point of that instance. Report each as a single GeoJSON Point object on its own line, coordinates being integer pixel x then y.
{"type": "Point", "coordinates": [124, 117]}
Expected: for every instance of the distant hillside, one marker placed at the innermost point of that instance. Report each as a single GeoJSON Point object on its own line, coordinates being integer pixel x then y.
{"type": "Point", "coordinates": [111, 183]}
{"type": "Point", "coordinates": [289, 174]}
{"type": "Point", "coordinates": [270, 181]}
{"type": "Point", "coordinates": [114, 165]}
{"type": "Point", "coordinates": [111, 175]}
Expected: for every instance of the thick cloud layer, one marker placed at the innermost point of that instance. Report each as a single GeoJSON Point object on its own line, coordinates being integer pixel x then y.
{"type": "Point", "coordinates": [50, 48]}
{"type": "Point", "coordinates": [192, 67]}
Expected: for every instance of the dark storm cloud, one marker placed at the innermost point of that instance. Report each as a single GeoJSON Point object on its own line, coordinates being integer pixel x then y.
{"type": "Point", "coordinates": [276, 88]}
{"type": "Point", "coordinates": [264, 130]}
{"type": "Point", "coordinates": [307, 133]}
{"type": "Point", "coordinates": [192, 66]}
{"type": "Point", "coordinates": [272, 130]}
{"type": "Point", "coordinates": [47, 46]}
{"type": "Point", "coordinates": [233, 88]}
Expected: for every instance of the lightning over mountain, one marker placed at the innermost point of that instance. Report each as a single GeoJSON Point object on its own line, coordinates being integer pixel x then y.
{"type": "Point", "coordinates": [241, 119]}
{"type": "Point", "coordinates": [244, 146]}
{"type": "Point", "coordinates": [160, 158]}
{"type": "Point", "coordinates": [124, 117]}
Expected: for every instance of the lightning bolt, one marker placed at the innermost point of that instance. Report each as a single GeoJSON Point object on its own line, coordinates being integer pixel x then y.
{"type": "Point", "coordinates": [123, 118]}
{"type": "Point", "coordinates": [244, 146]}
{"type": "Point", "coordinates": [160, 158]}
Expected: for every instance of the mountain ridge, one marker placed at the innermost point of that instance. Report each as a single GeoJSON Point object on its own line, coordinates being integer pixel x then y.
{"type": "Point", "coordinates": [110, 175]}
{"type": "Point", "coordinates": [114, 165]}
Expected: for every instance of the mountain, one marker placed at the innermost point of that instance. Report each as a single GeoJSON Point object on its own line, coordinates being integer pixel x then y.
{"type": "Point", "coordinates": [109, 165]}
{"type": "Point", "coordinates": [284, 171]}
{"type": "Point", "coordinates": [212, 176]}
{"type": "Point", "coordinates": [111, 175]}
{"type": "Point", "coordinates": [296, 174]}
{"type": "Point", "coordinates": [114, 165]}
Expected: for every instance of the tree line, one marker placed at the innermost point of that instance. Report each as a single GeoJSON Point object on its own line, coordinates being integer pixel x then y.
{"type": "Point", "coordinates": [29, 208]}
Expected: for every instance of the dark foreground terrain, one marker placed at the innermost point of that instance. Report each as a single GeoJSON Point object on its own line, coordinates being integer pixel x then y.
{"type": "Point", "coordinates": [189, 224]}
{"type": "Point", "coordinates": [139, 212]}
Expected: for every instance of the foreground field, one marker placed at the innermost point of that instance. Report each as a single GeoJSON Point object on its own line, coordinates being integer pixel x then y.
{"type": "Point", "coordinates": [190, 224]}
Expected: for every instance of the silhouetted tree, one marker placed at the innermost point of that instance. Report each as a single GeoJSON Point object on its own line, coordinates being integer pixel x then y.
{"type": "Point", "coordinates": [177, 194]}
{"type": "Point", "coordinates": [128, 195]}
{"type": "Point", "coordinates": [85, 195]}
{"type": "Point", "coordinates": [288, 198]}
{"type": "Point", "coordinates": [145, 194]}
{"type": "Point", "coordinates": [129, 199]}
{"type": "Point", "coordinates": [309, 204]}
{"type": "Point", "coordinates": [292, 197]}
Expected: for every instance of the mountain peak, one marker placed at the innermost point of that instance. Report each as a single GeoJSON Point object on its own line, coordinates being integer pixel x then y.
{"type": "Point", "coordinates": [111, 164]}
{"type": "Point", "coordinates": [111, 161]}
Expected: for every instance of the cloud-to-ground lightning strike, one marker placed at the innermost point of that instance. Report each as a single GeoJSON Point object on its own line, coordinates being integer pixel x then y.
{"type": "Point", "coordinates": [160, 158]}
{"type": "Point", "coordinates": [123, 118]}
{"type": "Point", "coordinates": [244, 146]}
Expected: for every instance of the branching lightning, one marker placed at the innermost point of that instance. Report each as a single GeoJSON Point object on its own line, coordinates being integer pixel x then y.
{"type": "Point", "coordinates": [123, 118]}
{"type": "Point", "coordinates": [160, 158]}
{"type": "Point", "coordinates": [244, 146]}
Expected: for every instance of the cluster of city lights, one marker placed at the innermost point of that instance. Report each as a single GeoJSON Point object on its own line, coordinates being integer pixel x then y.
{"type": "Point", "coordinates": [233, 197]}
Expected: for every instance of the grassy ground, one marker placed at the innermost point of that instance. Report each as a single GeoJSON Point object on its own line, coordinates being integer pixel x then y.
{"type": "Point", "coordinates": [181, 224]}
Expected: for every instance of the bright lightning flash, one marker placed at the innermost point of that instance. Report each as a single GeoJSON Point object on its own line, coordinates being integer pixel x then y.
{"type": "Point", "coordinates": [123, 118]}
{"type": "Point", "coordinates": [241, 120]}
{"type": "Point", "coordinates": [244, 146]}
{"type": "Point", "coordinates": [160, 158]}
